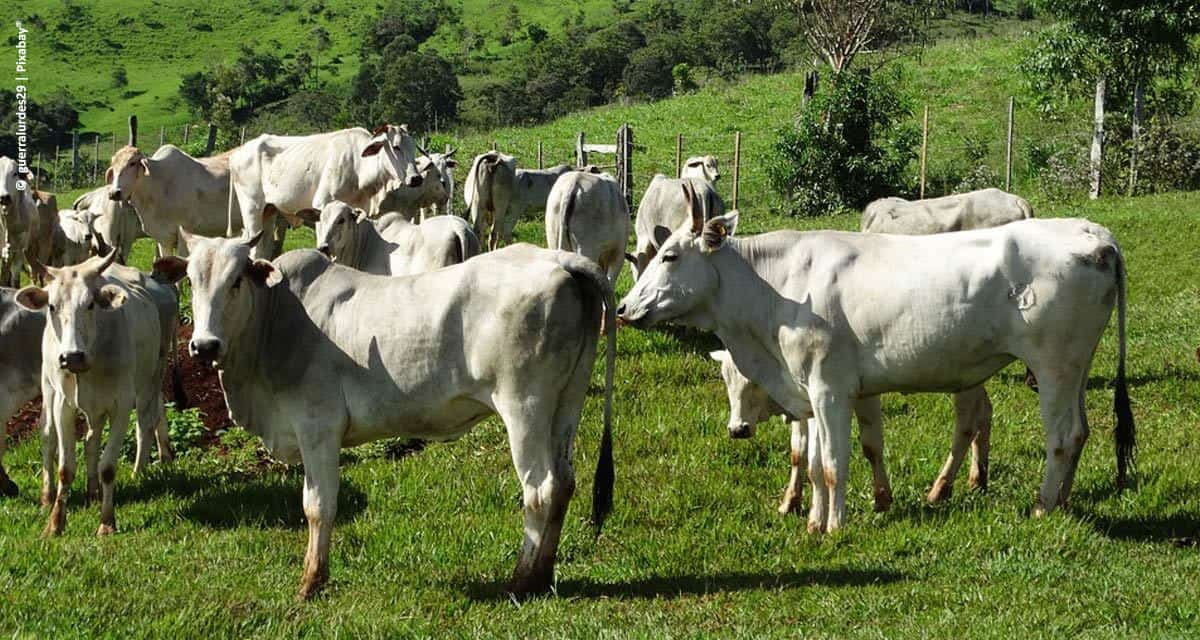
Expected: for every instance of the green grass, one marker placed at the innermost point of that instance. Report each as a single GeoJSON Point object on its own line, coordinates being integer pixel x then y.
{"type": "Point", "coordinates": [214, 545]}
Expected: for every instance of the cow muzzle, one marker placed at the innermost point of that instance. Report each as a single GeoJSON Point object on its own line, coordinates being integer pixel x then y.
{"type": "Point", "coordinates": [415, 181]}
{"type": "Point", "coordinates": [741, 431]}
{"type": "Point", "coordinates": [206, 350]}
{"type": "Point", "coordinates": [73, 361]}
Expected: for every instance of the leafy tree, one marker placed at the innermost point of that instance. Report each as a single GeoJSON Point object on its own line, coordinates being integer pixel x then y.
{"type": "Point", "coordinates": [321, 43]}
{"type": "Point", "coordinates": [648, 74]}
{"type": "Point", "coordinates": [120, 79]}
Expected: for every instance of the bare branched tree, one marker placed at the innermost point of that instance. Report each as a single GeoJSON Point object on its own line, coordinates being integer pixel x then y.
{"type": "Point", "coordinates": [840, 30]}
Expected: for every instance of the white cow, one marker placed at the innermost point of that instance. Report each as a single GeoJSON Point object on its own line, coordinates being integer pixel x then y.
{"type": "Point", "coordinates": [115, 222]}
{"type": "Point", "coordinates": [701, 168]}
{"type": "Point", "coordinates": [531, 191]}
{"type": "Point", "coordinates": [488, 191]}
{"type": "Point", "coordinates": [392, 245]}
{"type": "Point", "coordinates": [664, 206]}
{"type": "Point", "coordinates": [18, 221]}
{"type": "Point", "coordinates": [960, 212]}
{"type": "Point", "coordinates": [513, 332]}
{"type": "Point", "coordinates": [169, 191]}
{"type": "Point", "coordinates": [289, 174]}
{"type": "Point", "coordinates": [749, 404]}
{"type": "Point", "coordinates": [820, 319]}
{"type": "Point", "coordinates": [586, 213]}
{"type": "Point", "coordinates": [104, 351]}
{"type": "Point", "coordinates": [432, 198]}
{"type": "Point", "coordinates": [42, 238]}
{"type": "Point", "coordinates": [73, 239]}
{"type": "Point", "coordinates": [20, 366]}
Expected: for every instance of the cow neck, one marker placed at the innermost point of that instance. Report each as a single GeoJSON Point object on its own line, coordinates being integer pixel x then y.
{"type": "Point", "coordinates": [141, 195]}
{"type": "Point", "coordinates": [243, 355]}
{"type": "Point", "coordinates": [367, 242]}
{"type": "Point", "coordinates": [751, 272]}
{"type": "Point", "coordinates": [373, 177]}
{"type": "Point", "coordinates": [17, 216]}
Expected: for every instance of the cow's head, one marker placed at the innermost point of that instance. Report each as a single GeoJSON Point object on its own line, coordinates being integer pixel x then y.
{"type": "Point", "coordinates": [224, 278]}
{"type": "Point", "coordinates": [78, 227]}
{"type": "Point", "coordinates": [749, 404]}
{"type": "Point", "coordinates": [397, 152]}
{"type": "Point", "coordinates": [73, 299]}
{"type": "Point", "coordinates": [337, 228]}
{"type": "Point", "coordinates": [702, 168]}
{"type": "Point", "coordinates": [13, 183]}
{"type": "Point", "coordinates": [127, 166]}
{"type": "Point", "coordinates": [681, 279]}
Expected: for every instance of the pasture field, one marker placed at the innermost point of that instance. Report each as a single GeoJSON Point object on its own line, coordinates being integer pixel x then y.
{"type": "Point", "coordinates": [212, 544]}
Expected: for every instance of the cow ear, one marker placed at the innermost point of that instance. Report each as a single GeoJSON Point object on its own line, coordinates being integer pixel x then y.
{"type": "Point", "coordinates": [110, 296]}
{"type": "Point", "coordinates": [170, 269]}
{"type": "Point", "coordinates": [451, 163]}
{"type": "Point", "coordinates": [360, 216]}
{"type": "Point", "coordinates": [661, 234]}
{"type": "Point", "coordinates": [145, 166]}
{"type": "Point", "coordinates": [694, 163]}
{"type": "Point", "coordinates": [718, 230]}
{"type": "Point", "coordinates": [108, 175]}
{"type": "Point", "coordinates": [33, 298]}
{"type": "Point", "coordinates": [694, 212]}
{"type": "Point", "coordinates": [263, 273]}
{"type": "Point", "coordinates": [372, 149]}
{"type": "Point", "coordinates": [309, 215]}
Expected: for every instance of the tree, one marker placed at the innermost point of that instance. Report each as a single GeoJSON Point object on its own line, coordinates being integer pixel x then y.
{"type": "Point", "coordinates": [120, 79]}
{"type": "Point", "coordinates": [320, 43]}
{"type": "Point", "coordinates": [839, 30]}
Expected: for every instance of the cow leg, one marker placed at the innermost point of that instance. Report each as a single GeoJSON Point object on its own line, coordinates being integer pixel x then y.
{"type": "Point", "coordinates": [321, 484]}
{"type": "Point", "coordinates": [870, 437]}
{"type": "Point", "coordinates": [152, 424]}
{"type": "Point", "coordinates": [1075, 441]}
{"type": "Point", "coordinates": [142, 437]}
{"type": "Point", "coordinates": [8, 488]}
{"type": "Point", "coordinates": [982, 444]}
{"type": "Point", "coordinates": [965, 429]}
{"type": "Point", "coordinates": [49, 449]}
{"type": "Point", "coordinates": [799, 459]}
{"type": "Point", "coordinates": [818, 513]}
{"type": "Point", "coordinates": [91, 456]}
{"type": "Point", "coordinates": [65, 430]}
{"type": "Point", "coordinates": [833, 424]}
{"type": "Point", "coordinates": [541, 448]}
{"type": "Point", "coordinates": [1059, 396]}
{"type": "Point", "coordinates": [118, 423]}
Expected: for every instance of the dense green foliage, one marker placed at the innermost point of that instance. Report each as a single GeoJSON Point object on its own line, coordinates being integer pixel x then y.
{"type": "Point", "coordinates": [851, 144]}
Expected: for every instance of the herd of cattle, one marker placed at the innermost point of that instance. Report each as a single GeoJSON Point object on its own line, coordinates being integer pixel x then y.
{"type": "Point", "coordinates": [409, 322]}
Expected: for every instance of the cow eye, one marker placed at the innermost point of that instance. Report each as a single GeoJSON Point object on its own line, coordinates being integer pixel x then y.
{"type": "Point", "coordinates": [670, 257]}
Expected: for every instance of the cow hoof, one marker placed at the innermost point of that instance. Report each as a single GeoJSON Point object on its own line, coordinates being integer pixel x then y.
{"type": "Point", "coordinates": [9, 488]}
{"type": "Point", "coordinates": [883, 500]}
{"type": "Point", "coordinates": [106, 530]}
{"type": "Point", "coordinates": [790, 504]}
{"type": "Point", "coordinates": [535, 582]}
{"type": "Point", "coordinates": [940, 492]}
{"type": "Point", "coordinates": [977, 483]}
{"type": "Point", "coordinates": [311, 585]}
{"type": "Point", "coordinates": [815, 528]}
{"type": "Point", "coordinates": [1039, 511]}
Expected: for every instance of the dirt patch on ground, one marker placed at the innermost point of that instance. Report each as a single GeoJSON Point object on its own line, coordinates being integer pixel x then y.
{"type": "Point", "coordinates": [200, 383]}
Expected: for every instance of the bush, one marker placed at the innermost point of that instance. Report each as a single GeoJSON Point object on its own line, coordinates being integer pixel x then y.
{"type": "Point", "coordinates": [648, 74]}
{"type": "Point", "coordinates": [849, 146]}
{"type": "Point", "coordinates": [1169, 159]}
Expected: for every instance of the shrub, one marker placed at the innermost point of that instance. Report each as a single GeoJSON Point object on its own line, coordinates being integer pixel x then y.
{"type": "Point", "coordinates": [849, 146]}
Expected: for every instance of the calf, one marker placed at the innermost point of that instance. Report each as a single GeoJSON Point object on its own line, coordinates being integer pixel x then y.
{"type": "Point", "coordinates": [513, 332]}
{"type": "Point", "coordinates": [822, 318]}
{"type": "Point", "coordinates": [587, 213]}
{"type": "Point", "coordinates": [104, 350]}
{"type": "Point", "coordinates": [392, 245]}
{"type": "Point", "coordinates": [20, 366]}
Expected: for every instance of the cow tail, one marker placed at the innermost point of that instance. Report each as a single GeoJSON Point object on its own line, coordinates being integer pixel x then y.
{"type": "Point", "coordinates": [565, 242]}
{"type": "Point", "coordinates": [1026, 208]}
{"type": "Point", "coordinates": [1125, 433]}
{"type": "Point", "coordinates": [592, 279]}
{"type": "Point", "coordinates": [229, 205]}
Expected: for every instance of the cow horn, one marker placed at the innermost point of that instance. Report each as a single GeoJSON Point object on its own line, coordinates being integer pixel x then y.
{"type": "Point", "coordinates": [106, 262]}
{"type": "Point", "coordinates": [451, 152]}
{"type": "Point", "coordinates": [379, 130]}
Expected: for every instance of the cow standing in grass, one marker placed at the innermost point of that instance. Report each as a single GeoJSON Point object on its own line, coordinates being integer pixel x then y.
{"type": "Point", "coordinates": [392, 245]}
{"type": "Point", "coordinates": [314, 356]}
{"type": "Point", "coordinates": [820, 319]}
{"type": "Point", "coordinates": [20, 366]}
{"type": "Point", "coordinates": [488, 191]}
{"type": "Point", "coordinates": [587, 213]}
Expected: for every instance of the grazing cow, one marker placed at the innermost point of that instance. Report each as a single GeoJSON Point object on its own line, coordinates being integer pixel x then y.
{"type": "Point", "coordinates": [20, 366]}
{"type": "Point", "coordinates": [104, 351]}
{"type": "Point", "coordinates": [289, 174]}
{"type": "Point", "coordinates": [169, 191]}
{"type": "Point", "coordinates": [701, 168]}
{"type": "Point", "coordinates": [432, 198]}
{"type": "Point", "coordinates": [749, 404]}
{"type": "Point", "coordinates": [586, 213]}
{"type": "Point", "coordinates": [663, 206]}
{"type": "Point", "coordinates": [392, 245]}
{"type": "Point", "coordinates": [960, 212]}
{"type": "Point", "coordinates": [531, 191]}
{"type": "Point", "coordinates": [18, 221]}
{"type": "Point", "coordinates": [819, 319]}
{"type": "Point", "coordinates": [513, 332]}
{"type": "Point", "coordinates": [488, 191]}
{"type": "Point", "coordinates": [114, 222]}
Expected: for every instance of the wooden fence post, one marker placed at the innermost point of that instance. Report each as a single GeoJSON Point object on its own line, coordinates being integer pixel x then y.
{"type": "Point", "coordinates": [186, 129]}
{"type": "Point", "coordinates": [1139, 97]}
{"type": "Point", "coordinates": [211, 143]}
{"type": "Point", "coordinates": [1098, 140]}
{"type": "Point", "coordinates": [1008, 148]}
{"type": "Point", "coordinates": [74, 156]}
{"type": "Point", "coordinates": [243, 138]}
{"type": "Point", "coordinates": [162, 136]}
{"type": "Point", "coordinates": [114, 143]}
{"type": "Point", "coordinates": [924, 149]}
{"type": "Point", "coordinates": [737, 165]}
{"type": "Point", "coordinates": [37, 175]}
{"type": "Point", "coordinates": [541, 164]}
{"type": "Point", "coordinates": [678, 155]}
{"type": "Point", "coordinates": [54, 176]}
{"type": "Point", "coordinates": [96, 160]}
{"type": "Point", "coordinates": [580, 155]}
{"type": "Point", "coordinates": [625, 162]}
{"type": "Point", "coordinates": [493, 145]}
{"type": "Point", "coordinates": [133, 130]}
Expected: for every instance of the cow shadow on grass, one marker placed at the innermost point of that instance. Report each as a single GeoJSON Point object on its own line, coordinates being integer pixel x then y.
{"type": "Point", "coordinates": [697, 585]}
{"type": "Point", "coordinates": [1180, 527]}
{"type": "Point", "coordinates": [263, 502]}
